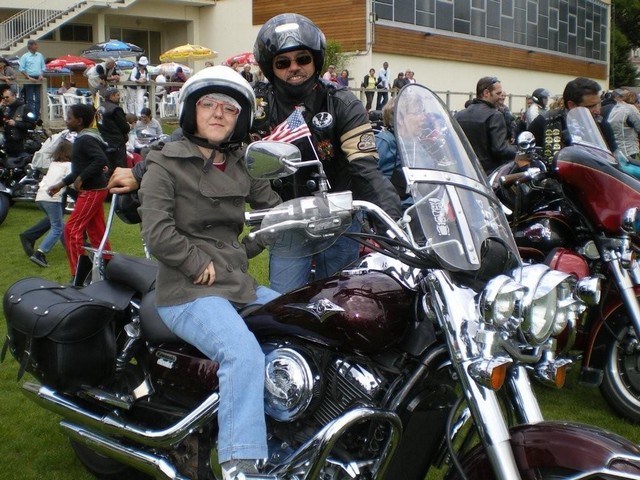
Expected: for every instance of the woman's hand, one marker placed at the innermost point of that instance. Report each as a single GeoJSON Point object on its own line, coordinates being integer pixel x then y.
{"type": "Point", "coordinates": [207, 277]}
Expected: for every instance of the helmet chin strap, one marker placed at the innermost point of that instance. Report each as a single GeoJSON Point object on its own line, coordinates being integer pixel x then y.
{"type": "Point", "coordinates": [204, 143]}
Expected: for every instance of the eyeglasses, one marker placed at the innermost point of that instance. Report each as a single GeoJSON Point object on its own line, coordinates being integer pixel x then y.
{"type": "Point", "coordinates": [285, 62]}
{"type": "Point", "coordinates": [208, 104]}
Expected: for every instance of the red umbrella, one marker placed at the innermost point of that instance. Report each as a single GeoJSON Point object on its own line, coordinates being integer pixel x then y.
{"type": "Point", "coordinates": [242, 59]}
{"type": "Point", "coordinates": [72, 62]}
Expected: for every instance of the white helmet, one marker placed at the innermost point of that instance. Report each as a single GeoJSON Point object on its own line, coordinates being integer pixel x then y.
{"type": "Point", "coordinates": [217, 79]}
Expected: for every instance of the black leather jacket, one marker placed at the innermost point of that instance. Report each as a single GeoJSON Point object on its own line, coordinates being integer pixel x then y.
{"type": "Point", "coordinates": [485, 127]}
{"type": "Point", "coordinates": [16, 134]}
{"type": "Point", "coordinates": [341, 137]}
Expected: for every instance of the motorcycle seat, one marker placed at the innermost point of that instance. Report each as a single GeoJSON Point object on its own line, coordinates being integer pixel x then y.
{"type": "Point", "coordinates": [135, 272]}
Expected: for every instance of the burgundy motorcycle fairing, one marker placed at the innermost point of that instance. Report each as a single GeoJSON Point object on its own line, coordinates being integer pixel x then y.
{"type": "Point", "coordinates": [363, 313]}
{"type": "Point", "coordinates": [556, 447]}
{"type": "Point", "coordinates": [604, 191]}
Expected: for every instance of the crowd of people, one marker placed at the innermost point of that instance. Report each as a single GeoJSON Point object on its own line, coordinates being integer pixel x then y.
{"type": "Point", "coordinates": [193, 190]}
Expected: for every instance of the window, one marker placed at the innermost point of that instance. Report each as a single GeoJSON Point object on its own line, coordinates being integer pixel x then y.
{"type": "Point", "coordinates": [578, 28]}
{"type": "Point", "coordinates": [76, 33]}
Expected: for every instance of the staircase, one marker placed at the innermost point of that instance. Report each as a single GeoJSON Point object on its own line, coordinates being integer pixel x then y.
{"type": "Point", "coordinates": [36, 22]}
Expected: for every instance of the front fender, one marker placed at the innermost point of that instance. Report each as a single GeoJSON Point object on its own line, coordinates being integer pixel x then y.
{"type": "Point", "coordinates": [558, 446]}
{"type": "Point", "coordinates": [593, 356]}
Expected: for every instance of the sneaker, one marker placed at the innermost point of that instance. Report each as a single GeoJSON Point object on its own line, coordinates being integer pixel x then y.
{"type": "Point", "coordinates": [234, 469]}
{"type": "Point", "coordinates": [27, 245]}
{"type": "Point", "coordinates": [39, 259]}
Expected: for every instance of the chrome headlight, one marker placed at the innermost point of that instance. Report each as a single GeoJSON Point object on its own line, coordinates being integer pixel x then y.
{"type": "Point", "coordinates": [500, 300]}
{"type": "Point", "coordinates": [547, 302]}
{"type": "Point", "coordinates": [289, 384]}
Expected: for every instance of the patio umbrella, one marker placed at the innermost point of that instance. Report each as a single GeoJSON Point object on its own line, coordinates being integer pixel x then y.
{"type": "Point", "coordinates": [112, 48]}
{"type": "Point", "coordinates": [71, 62]}
{"type": "Point", "coordinates": [242, 59]}
{"type": "Point", "coordinates": [169, 68]}
{"type": "Point", "coordinates": [188, 52]}
{"type": "Point", "coordinates": [56, 72]}
{"type": "Point", "coordinates": [124, 64]}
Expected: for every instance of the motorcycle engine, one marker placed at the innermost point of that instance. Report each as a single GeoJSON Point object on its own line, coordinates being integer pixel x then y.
{"type": "Point", "coordinates": [297, 386]}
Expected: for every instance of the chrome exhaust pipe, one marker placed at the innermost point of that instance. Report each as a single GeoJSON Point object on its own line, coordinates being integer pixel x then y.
{"type": "Point", "coordinates": [112, 425]}
{"type": "Point", "coordinates": [156, 466]}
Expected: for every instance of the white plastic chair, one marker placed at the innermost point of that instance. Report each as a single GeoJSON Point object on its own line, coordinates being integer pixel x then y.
{"type": "Point", "coordinates": [56, 106]}
{"type": "Point", "coordinates": [168, 106]}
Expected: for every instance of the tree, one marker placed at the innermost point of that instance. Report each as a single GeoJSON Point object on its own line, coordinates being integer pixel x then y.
{"type": "Point", "coordinates": [333, 56]}
{"type": "Point", "coordinates": [625, 36]}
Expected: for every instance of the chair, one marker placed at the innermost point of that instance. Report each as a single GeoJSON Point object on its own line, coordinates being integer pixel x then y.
{"type": "Point", "coordinates": [56, 106]}
{"type": "Point", "coordinates": [168, 106]}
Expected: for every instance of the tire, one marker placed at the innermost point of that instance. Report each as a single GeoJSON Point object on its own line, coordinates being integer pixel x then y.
{"type": "Point", "coordinates": [621, 381]}
{"type": "Point", "coordinates": [104, 468]}
{"type": "Point", "coordinates": [4, 207]}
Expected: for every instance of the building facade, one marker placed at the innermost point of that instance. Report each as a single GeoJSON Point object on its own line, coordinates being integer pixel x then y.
{"type": "Point", "coordinates": [449, 44]}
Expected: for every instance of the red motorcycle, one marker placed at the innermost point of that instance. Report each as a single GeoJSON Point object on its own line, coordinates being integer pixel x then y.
{"type": "Point", "coordinates": [580, 214]}
{"type": "Point", "coordinates": [416, 357]}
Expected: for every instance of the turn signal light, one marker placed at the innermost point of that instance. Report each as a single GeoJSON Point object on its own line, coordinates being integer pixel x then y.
{"type": "Point", "coordinates": [490, 373]}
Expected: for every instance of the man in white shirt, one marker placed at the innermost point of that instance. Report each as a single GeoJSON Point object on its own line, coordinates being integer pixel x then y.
{"type": "Point", "coordinates": [383, 83]}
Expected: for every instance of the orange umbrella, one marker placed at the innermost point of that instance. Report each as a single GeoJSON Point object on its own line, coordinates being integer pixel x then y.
{"type": "Point", "coordinates": [188, 52]}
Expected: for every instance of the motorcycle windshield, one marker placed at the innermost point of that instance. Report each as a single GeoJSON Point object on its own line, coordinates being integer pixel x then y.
{"type": "Point", "coordinates": [459, 215]}
{"type": "Point", "coordinates": [584, 131]}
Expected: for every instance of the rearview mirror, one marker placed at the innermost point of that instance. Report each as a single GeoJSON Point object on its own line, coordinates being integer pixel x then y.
{"type": "Point", "coordinates": [270, 160]}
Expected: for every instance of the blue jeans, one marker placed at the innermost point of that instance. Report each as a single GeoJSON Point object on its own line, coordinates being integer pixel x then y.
{"type": "Point", "coordinates": [31, 94]}
{"type": "Point", "coordinates": [54, 211]}
{"type": "Point", "coordinates": [286, 274]}
{"type": "Point", "coordinates": [213, 326]}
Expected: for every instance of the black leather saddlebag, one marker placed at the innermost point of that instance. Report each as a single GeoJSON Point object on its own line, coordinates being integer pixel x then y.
{"type": "Point", "coordinates": [61, 335]}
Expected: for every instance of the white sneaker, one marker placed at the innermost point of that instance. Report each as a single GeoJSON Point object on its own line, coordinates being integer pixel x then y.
{"type": "Point", "coordinates": [234, 469]}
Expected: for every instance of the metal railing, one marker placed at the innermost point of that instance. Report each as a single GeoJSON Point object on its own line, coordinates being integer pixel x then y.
{"type": "Point", "coordinates": [26, 22]}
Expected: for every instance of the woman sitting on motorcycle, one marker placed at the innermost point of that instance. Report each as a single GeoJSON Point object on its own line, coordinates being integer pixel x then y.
{"type": "Point", "coordinates": [193, 196]}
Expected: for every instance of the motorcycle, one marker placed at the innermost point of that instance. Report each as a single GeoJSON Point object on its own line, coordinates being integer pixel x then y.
{"type": "Point", "coordinates": [579, 214]}
{"type": "Point", "coordinates": [18, 180]}
{"type": "Point", "coordinates": [415, 357]}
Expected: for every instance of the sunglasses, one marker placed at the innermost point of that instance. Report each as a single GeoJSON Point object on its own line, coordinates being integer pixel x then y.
{"type": "Point", "coordinates": [285, 62]}
{"type": "Point", "coordinates": [208, 104]}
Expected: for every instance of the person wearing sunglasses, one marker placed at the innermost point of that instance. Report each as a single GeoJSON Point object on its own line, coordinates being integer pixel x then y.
{"type": "Point", "coordinates": [550, 129]}
{"type": "Point", "coordinates": [17, 120]}
{"type": "Point", "coordinates": [485, 126]}
{"type": "Point", "coordinates": [290, 50]}
{"type": "Point", "coordinates": [193, 198]}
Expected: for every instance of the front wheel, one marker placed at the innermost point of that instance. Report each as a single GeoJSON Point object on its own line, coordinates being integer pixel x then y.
{"type": "Point", "coordinates": [5, 203]}
{"type": "Point", "coordinates": [621, 381]}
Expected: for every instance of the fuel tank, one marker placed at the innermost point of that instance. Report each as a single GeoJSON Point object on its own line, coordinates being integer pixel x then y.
{"type": "Point", "coordinates": [365, 312]}
{"type": "Point", "coordinates": [597, 186]}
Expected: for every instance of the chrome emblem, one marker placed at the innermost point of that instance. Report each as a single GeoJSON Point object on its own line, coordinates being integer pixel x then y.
{"type": "Point", "coordinates": [322, 309]}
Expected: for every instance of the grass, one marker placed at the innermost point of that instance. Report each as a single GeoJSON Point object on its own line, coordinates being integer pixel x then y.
{"type": "Point", "coordinates": [31, 444]}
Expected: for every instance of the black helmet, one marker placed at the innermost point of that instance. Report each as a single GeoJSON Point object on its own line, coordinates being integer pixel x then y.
{"type": "Point", "coordinates": [286, 32]}
{"type": "Point", "coordinates": [217, 79]}
{"type": "Point", "coordinates": [538, 96]}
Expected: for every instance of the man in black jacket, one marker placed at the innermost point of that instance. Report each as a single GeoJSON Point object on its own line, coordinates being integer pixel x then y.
{"type": "Point", "coordinates": [17, 120]}
{"type": "Point", "coordinates": [485, 127]}
{"type": "Point", "coordinates": [290, 50]}
{"type": "Point", "coordinates": [550, 129]}
{"type": "Point", "coordinates": [114, 128]}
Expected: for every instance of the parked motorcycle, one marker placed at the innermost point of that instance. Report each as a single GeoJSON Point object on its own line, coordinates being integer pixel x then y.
{"type": "Point", "coordinates": [18, 180]}
{"type": "Point", "coordinates": [580, 214]}
{"type": "Point", "coordinates": [417, 356]}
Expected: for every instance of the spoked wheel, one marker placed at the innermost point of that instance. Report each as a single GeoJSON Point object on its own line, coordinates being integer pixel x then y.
{"type": "Point", "coordinates": [104, 468]}
{"type": "Point", "coordinates": [621, 382]}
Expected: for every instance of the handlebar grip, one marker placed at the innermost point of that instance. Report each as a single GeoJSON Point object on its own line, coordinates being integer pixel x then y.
{"type": "Point", "coordinates": [509, 180]}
